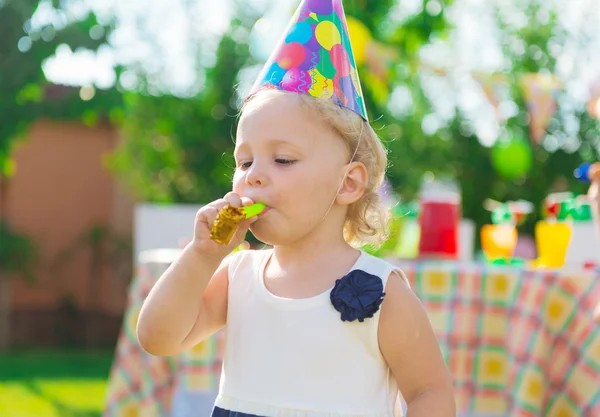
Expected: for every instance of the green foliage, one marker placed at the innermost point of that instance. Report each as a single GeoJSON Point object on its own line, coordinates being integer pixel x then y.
{"type": "Point", "coordinates": [26, 95]}
{"type": "Point", "coordinates": [532, 48]}
{"type": "Point", "coordinates": [455, 150]}
{"type": "Point", "coordinates": [43, 383]}
{"type": "Point", "coordinates": [102, 242]}
{"type": "Point", "coordinates": [180, 149]}
{"type": "Point", "coordinates": [105, 248]}
{"type": "Point", "coordinates": [19, 254]}
{"type": "Point", "coordinates": [412, 153]}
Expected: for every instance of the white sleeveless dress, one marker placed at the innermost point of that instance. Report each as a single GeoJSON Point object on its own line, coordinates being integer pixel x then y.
{"type": "Point", "coordinates": [296, 357]}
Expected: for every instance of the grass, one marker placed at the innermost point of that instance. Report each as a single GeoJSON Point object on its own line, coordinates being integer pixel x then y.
{"type": "Point", "coordinates": [53, 384]}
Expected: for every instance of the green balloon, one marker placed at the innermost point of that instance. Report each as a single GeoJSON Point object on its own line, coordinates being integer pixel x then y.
{"type": "Point", "coordinates": [345, 39]}
{"type": "Point", "coordinates": [512, 159]}
{"type": "Point", "coordinates": [325, 65]}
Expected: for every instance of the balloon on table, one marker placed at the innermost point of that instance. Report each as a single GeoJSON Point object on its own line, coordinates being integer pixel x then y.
{"type": "Point", "coordinates": [512, 158]}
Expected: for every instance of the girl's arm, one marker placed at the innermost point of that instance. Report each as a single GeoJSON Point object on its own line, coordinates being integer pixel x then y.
{"type": "Point", "coordinates": [186, 306]}
{"type": "Point", "coordinates": [411, 350]}
{"type": "Point", "coordinates": [189, 301]}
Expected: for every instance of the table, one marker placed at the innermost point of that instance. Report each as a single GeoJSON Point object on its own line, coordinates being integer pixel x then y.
{"type": "Point", "coordinates": [142, 385]}
{"type": "Point", "coordinates": [519, 343]}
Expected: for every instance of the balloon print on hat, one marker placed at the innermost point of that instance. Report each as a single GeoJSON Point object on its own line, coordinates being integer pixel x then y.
{"type": "Point", "coordinates": [315, 57]}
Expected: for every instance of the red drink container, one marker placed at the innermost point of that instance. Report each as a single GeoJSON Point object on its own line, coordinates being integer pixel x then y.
{"type": "Point", "coordinates": [439, 221]}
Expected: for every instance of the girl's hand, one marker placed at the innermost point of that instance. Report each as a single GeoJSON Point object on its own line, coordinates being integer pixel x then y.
{"type": "Point", "coordinates": [204, 221]}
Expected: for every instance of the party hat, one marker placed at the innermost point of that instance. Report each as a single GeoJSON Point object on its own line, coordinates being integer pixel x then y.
{"type": "Point", "coordinates": [315, 57]}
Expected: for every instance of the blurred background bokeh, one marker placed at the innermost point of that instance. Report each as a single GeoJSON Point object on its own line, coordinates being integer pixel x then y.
{"type": "Point", "coordinates": [105, 104]}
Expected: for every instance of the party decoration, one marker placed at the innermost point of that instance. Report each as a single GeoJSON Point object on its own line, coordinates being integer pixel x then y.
{"type": "Point", "coordinates": [553, 234]}
{"type": "Point", "coordinates": [540, 91]}
{"type": "Point", "coordinates": [580, 209]}
{"type": "Point", "coordinates": [552, 240]}
{"type": "Point", "coordinates": [315, 56]}
{"type": "Point", "coordinates": [498, 240]}
{"type": "Point", "coordinates": [228, 220]}
{"type": "Point", "coordinates": [566, 206]}
{"type": "Point", "coordinates": [582, 173]}
{"type": "Point", "coordinates": [381, 59]}
{"type": "Point", "coordinates": [495, 88]}
{"type": "Point", "coordinates": [511, 212]}
{"type": "Point", "coordinates": [512, 158]}
{"type": "Point", "coordinates": [380, 89]}
{"type": "Point", "coordinates": [361, 38]}
{"type": "Point", "coordinates": [409, 235]}
{"type": "Point", "coordinates": [557, 206]}
{"type": "Point", "coordinates": [586, 171]}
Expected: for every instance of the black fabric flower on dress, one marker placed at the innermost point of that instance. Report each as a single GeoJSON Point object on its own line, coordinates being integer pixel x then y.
{"type": "Point", "coordinates": [357, 295]}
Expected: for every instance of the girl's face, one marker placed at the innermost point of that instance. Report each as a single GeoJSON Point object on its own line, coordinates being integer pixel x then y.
{"type": "Point", "coordinates": [290, 162]}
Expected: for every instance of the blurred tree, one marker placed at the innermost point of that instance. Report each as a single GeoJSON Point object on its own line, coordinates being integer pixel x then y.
{"type": "Point", "coordinates": [18, 256]}
{"type": "Point", "coordinates": [180, 148]}
{"type": "Point", "coordinates": [27, 96]}
{"type": "Point", "coordinates": [454, 149]}
{"type": "Point", "coordinates": [107, 251]}
{"type": "Point", "coordinates": [571, 137]}
{"type": "Point", "coordinates": [411, 152]}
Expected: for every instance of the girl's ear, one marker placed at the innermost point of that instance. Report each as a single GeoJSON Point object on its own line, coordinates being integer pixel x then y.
{"type": "Point", "coordinates": [354, 184]}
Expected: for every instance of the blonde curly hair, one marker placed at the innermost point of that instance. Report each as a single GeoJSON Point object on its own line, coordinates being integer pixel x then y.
{"type": "Point", "coordinates": [366, 220]}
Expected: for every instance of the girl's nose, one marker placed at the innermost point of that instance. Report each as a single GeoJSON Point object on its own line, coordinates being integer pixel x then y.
{"type": "Point", "coordinates": [255, 176]}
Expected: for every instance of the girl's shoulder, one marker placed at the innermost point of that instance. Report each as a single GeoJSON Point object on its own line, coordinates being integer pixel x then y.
{"type": "Point", "coordinates": [360, 293]}
{"type": "Point", "coordinates": [382, 268]}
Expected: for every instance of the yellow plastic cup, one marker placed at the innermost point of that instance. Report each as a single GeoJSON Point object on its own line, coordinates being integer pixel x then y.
{"type": "Point", "coordinates": [498, 241]}
{"type": "Point", "coordinates": [552, 240]}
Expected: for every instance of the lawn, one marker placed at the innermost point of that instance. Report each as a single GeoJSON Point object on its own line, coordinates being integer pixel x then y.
{"type": "Point", "coordinates": [53, 384]}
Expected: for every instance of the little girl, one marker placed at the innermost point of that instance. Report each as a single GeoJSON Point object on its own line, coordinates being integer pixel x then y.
{"type": "Point", "coordinates": [315, 327]}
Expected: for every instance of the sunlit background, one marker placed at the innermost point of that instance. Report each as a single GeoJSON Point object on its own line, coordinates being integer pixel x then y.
{"type": "Point", "coordinates": [172, 42]}
{"type": "Point", "coordinates": [118, 117]}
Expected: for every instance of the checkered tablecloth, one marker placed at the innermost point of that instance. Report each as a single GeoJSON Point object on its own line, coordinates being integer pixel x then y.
{"type": "Point", "coordinates": [142, 385]}
{"type": "Point", "coordinates": [519, 343]}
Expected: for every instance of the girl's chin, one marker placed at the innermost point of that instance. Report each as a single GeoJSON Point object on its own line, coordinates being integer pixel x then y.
{"type": "Point", "coordinates": [264, 233]}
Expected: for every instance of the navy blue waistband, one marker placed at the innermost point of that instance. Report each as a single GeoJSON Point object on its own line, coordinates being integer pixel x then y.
{"type": "Point", "coordinates": [219, 412]}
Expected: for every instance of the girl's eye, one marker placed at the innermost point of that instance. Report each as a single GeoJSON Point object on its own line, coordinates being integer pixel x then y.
{"type": "Point", "coordinates": [245, 165]}
{"type": "Point", "coordinates": [283, 161]}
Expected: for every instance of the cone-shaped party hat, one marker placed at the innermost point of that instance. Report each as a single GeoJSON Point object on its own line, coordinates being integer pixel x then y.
{"type": "Point", "coordinates": [315, 57]}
